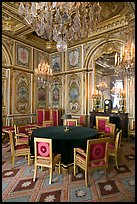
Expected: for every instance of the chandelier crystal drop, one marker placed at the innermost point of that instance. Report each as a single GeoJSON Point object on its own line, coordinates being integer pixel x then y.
{"type": "Point", "coordinates": [51, 20]}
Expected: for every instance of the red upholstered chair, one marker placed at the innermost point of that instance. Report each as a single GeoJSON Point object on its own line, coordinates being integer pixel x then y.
{"type": "Point", "coordinates": [40, 116]}
{"type": "Point", "coordinates": [81, 120]}
{"type": "Point", "coordinates": [47, 123]}
{"type": "Point", "coordinates": [101, 122]}
{"type": "Point", "coordinates": [71, 122]}
{"type": "Point", "coordinates": [18, 150]}
{"type": "Point", "coordinates": [20, 138]}
{"type": "Point", "coordinates": [109, 131]}
{"type": "Point", "coordinates": [5, 133]}
{"type": "Point", "coordinates": [44, 156]}
{"type": "Point", "coordinates": [95, 157]}
{"type": "Point", "coordinates": [113, 149]}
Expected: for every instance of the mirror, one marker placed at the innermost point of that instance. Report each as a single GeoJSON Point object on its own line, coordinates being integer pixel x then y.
{"type": "Point", "coordinates": [108, 85]}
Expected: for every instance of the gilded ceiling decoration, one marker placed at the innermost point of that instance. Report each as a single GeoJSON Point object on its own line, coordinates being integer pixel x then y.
{"type": "Point", "coordinates": [15, 26]}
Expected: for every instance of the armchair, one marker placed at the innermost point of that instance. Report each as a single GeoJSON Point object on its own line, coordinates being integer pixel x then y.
{"type": "Point", "coordinates": [95, 157]}
{"type": "Point", "coordinates": [44, 156]}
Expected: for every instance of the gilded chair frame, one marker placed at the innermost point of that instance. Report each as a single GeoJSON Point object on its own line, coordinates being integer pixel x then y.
{"type": "Point", "coordinates": [67, 121]}
{"type": "Point", "coordinates": [86, 163]}
{"type": "Point", "coordinates": [46, 161]}
{"type": "Point", "coordinates": [112, 132]}
{"type": "Point", "coordinates": [20, 138]}
{"type": "Point", "coordinates": [18, 150]}
{"type": "Point", "coordinates": [113, 150]}
{"type": "Point", "coordinates": [105, 118]}
{"type": "Point", "coordinates": [46, 123]}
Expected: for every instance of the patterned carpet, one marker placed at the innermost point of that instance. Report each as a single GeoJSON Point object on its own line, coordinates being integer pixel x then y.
{"type": "Point", "coordinates": [18, 185]}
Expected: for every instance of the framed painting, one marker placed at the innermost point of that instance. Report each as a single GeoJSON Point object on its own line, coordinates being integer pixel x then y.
{"type": "Point", "coordinates": [74, 58]}
{"type": "Point", "coordinates": [23, 57]}
{"type": "Point", "coordinates": [41, 97]}
{"type": "Point", "coordinates": [56, 94]}
{"type": "Point", "coordinates": [56, 62]}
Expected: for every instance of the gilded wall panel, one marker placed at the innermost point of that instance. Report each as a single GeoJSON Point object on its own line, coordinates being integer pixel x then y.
{"type": "Point", "coordinates": [56, 62]}
{"type": "Point", "coordinates": [7, 52]}
{"type": "Point", "coordinates": [74, 58]}
{"type": "Point", "coordinates": [38, 56]}
{"type": "Point", "coordinates": [41, 96]}
{"type": "Point", "coordinates": [22, 93]}
{"type": "Point", "coordinates": [73, 94]}
{"type": "Point", "coordinates": [22, 120]}
{"type": "Point", "coordinates": [23, 56]}
{"type": "Point", "coordinates": [56, 93]}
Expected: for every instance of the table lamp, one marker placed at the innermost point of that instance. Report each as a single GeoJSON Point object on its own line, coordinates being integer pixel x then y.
{"type": "Point", "coordinates": [65, 116]}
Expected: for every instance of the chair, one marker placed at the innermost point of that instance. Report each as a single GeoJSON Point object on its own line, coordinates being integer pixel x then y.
{"type": "Point", "coordinates": [114, 148]}
{"type": "Point", "coordinates": [101, 122]}
{"type": "Point", "coordinates": [44, 156]}
{"type": "Point", "coordinates": [71, 122]}
{"type": "Point", "coordinates": [131, 131]}
{"type": "Point", "coordinates": [20, 138]}
{"type": "Point", "coordinates": [18, 150]}
{"type": "Point", "coordinates": [109, 131]}
{"type": "Point", "coordinates": [95, 157]}
{"type": "Point", "coordinates": [82, 120]}
{"type": "Point", "coordinates": [47, 123]}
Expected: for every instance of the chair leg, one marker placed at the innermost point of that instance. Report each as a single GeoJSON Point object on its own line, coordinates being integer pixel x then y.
{"type": "Point", "coordinates": [35, 172]}
{"type": "Point", "coordinates": [13, 160]}
{"type": "Point", "coordinates": [28, 159]}
{"type": "Point", "coordinates": [59, 167]}
{"type": "Point", "coordinates": [74, 169]}
{"type": "Point", "coordinates": [116, 161]}
{"type": "Point", "coordinates": [86, 177]}
{"type": "Point", "coordinates": [50, 176]}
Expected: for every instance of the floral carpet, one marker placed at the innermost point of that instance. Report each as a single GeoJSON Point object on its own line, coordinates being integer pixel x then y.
{"type": "Point", "coordinates": [18, 185]}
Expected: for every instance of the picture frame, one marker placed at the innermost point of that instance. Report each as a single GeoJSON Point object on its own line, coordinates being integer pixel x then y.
{"type": "Point", "coordinates": [74, 58]}
{"type": "Point", "coordinates": [23, 55]}
{"type": "Point", "coordinates": [56, 62]}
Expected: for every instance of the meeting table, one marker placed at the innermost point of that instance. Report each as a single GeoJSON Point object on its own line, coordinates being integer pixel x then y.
{"type": "Point", "coordinates": [64, 142]}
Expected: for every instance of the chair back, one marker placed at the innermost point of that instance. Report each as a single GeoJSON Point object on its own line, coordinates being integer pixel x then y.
{"type": "Point", "coordinates": [43, 151]}
{"type": "Point", "coordinates": [15, 128]}
{"type": "Point", "coordinates": [110, 130]}
{"type": "Point", "coordinates": [71, 122]}
{"type": "Point", "coordinates": [97, 152]}
{"type": "Point", "coordinates": [47, 123]}
{"type": "Point", "coordinates": [101, 122]}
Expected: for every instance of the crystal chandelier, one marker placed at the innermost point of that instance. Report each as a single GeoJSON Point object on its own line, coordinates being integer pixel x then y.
{"type": "Point", "coordinates": [43, 73]}
{"type": "Point", "coordinates": [125, 60]}
{"type": "Point", "coordinates": [62, 22]}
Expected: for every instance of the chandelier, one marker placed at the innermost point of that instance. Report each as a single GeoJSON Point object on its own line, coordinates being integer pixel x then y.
{"type": "Point", "coordinates": [62, 22]}
{"type": "Point", "coordinates": [96, 95]}
{"type": "Point", "coordinates": [102, 86]}
{"type": "Point", "coordinates": [43, 72]}
{"type": "Point", "coordinates": [125, 60]}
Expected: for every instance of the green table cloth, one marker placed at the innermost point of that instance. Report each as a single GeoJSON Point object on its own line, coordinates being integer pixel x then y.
{"type": "Point", "coordinates": [64, 142]}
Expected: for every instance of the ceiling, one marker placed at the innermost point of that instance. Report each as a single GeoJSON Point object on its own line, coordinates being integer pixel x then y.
{"type": "Point", "coordinates": [14, 25]}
